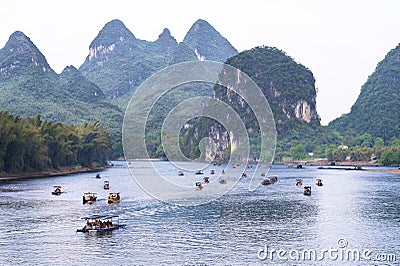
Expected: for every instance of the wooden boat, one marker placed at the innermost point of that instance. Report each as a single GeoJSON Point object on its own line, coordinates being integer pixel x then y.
{"type": "Point", "coordinates": [106, 185]}
{"type": "Point", "coordinates": [99, 224]}
{"type": "Point", "coordinates": [263, 174]}
{"type": "Point", "coordinates": [199, 186]}
{"type": "Point", "coordinates": [273, 179]}
{"type": "Point", "coordinates": [319, 183]}
{"type": "Point", "coordinates": [299, 182]}
{"type": "Point", "coordinates": [199, 172]}
{"type": "Point", "coordinates": [57, 190]}
{"type": "Point", "coordinates": [89, 197]}
{"type": "Point", "coordinates": [206, 180]}
{"type": "Point", "coordinates": [307, 191]}
{"type": "Point", "coordinates": [212, 172]}
{"type": "Point", "coordinates": [244, 175]}
{"type": "Point", "coordinates": [180, 173]}
{"type": "Point", "coordinates": [266, 182]}
{"type": "Point", "coordinates": [223, 171]}
{"type": "Point", "coordinates": [113, 197]}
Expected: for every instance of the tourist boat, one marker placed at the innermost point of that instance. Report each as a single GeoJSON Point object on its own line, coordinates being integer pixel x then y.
{"type": "Point", "coordinates": [98, 176]}
{"type": "Point", "coordinates": [206, 180]}
{"type": "Point", "coordinates": [89, 197]}
{"type": "Point", "coordinates": [199, 172]}
{"type": "Point", "coordinates": [319, 182]}
{"type": "Point", "coordinates": [57, 190]}
{"type": "Point", "coordinates": [307, 191]}
{"type": "Point", "coordinates": [106, 185]}
{"type": "Point", "coordinates": [222, 180]}
{"type": "Point", "coordinates": [266, 182]}
{"type": "Point", "coordinates": [299, 182]}
{"type": "Point", "coordinates": [199, 186]}
{"type": "Point", "coordinates": [113, 197]}
{"type": "Point", "coordinates": [212, 172]}
{"type": "Point", "coordinates": [180, 173]}
{"type": "Point", "coordinates": [273, 179]}
{"type": "Point", "coordinates": [99, 224]}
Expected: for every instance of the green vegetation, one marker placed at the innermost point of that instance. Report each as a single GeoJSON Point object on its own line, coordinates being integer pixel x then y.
{"type": "Point", "coordinates": [33, 144]}
{"type": "Point", "coordinates": [377, 109]}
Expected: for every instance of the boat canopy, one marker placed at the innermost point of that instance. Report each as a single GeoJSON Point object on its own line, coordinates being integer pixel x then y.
{"type": "Point", "coordinates": [99, 217]}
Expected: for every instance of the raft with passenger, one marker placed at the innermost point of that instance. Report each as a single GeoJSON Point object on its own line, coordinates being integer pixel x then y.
{"type": "Point", "coordinates": [57, 190]}
{"type": "Point", "coordinates": [113, 197]}
{"type": "Point", "coordinates": [98, 224]}
{"type": "Point", "coordinates": [89, 197]}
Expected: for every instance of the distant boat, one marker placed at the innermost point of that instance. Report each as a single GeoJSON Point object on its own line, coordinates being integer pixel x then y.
{"type": "Point", "coordinates": [98, 176]}
{"type": "Point", "coordinates": [99, 224]}
{"type": "Point", "coordinates": [274, 179]}
{"type": "Point", "coordinates": [199, 172]}
{"type": "Point", "coordinates": [319, 183]}
{"type": "Point", "coordinates": [206, 180]}
{"type": "Point", "coordinates": [222, 180]}
{"type": "Point", "coordinates": [113, 197]}
{"type": "Point", "coordinates": [299, 182]}
{"type": "Point", "coordinates": [89, 197]}
{"type": "Point", "coordinates": [57, 190]}
{"type": "Point", "coordinates": [106, 185]}
{"type": "Point", "coordinates": [199, 186]}
{"type": "Point", "coordinates": [307, 191]}
{"type": "Point", "coordinates": [180, 173]}
{"type": "Point", "coordinates": [212, 172]}
{"type": "Point", "coordinates": [266, 182]}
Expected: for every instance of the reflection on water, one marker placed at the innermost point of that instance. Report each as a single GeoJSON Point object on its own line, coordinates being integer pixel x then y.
{"type": "Point", "coordinates": [40, 228]}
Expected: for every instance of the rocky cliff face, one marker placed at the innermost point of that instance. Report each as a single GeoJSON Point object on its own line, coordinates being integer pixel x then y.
{"type": "Point", "coordinates": [288, 86]}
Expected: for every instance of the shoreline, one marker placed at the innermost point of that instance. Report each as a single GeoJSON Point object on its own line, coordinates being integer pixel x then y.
{"type": "Point", "coordinates": [362, 164]}
{"type": "Point", "coordinates": [65, 170]}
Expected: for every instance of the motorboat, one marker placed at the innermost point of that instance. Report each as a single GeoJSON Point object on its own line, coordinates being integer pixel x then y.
{"type": "Point", "coordinates": [299, 182]}
{"type": "Point", "coordinates": [180, 173]}
{"type": "Point", "coordinates": [206, 180]}
{"type": "Point", "coordinates": [319, 183]}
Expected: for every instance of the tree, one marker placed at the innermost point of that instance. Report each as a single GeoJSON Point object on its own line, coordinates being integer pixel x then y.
{"type": "Point", "coordinates": [298, 152]}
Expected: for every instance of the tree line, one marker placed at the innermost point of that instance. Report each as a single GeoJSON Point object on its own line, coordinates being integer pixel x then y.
{"type": "Point", "coordinates": [34, 144]}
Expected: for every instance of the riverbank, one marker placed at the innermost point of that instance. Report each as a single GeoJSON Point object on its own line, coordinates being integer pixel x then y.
{"type": "Point", "coordinates": [66, 170]}
{"type": "Point", "coordinates": [372, 166]}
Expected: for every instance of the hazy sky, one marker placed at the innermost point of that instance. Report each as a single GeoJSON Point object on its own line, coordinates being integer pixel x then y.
{"type": "Point", "coordinates": [340, 41]}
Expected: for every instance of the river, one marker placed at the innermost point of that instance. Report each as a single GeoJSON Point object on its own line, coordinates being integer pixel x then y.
{"type": "Point", "coordinates": [354, 219]}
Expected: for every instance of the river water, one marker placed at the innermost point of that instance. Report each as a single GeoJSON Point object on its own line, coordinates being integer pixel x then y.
{"type": "Point", "coordinates": [354, 219]}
